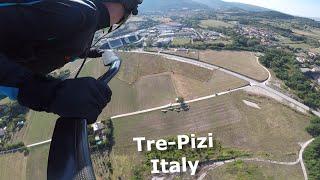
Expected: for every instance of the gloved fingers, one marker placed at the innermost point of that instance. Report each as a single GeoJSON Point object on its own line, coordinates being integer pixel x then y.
{"type": "Point", "coordinates": [105, 91]}
{"type": "Point", "coordinates": [93, 114]}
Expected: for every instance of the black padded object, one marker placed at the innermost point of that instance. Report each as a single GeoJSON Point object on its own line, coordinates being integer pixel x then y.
{"type": "Point", "coordinates": [69, 156]}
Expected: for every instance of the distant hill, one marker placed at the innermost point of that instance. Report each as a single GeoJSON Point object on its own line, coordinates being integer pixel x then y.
{"type": "Point", "coordinates": [316, 19]}
{"type": "Point", "coordinates": [163, 5]}
{"type": "Point", "coordinates": [219, 4]}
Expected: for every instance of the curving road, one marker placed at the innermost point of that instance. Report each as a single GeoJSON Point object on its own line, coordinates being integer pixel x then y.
{"type": "Point", "coordinates": [252, 82]}
{"type": "Point", "coordinates": [240, 76]}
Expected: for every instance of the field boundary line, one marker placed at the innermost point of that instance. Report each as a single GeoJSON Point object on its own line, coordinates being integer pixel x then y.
{"type": "Point", "coordinates": [177, 104]}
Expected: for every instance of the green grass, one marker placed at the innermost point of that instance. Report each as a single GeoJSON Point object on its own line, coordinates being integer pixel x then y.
{"type": "Point", "coordinates": [31, 167]}
{"type": "Point", "coordinates": [13, 166]}
{"type": "Point", "coordinates": [181, 41]}
{"type": "Point", "coordinates": [272, 132]}
{"type": "Point", "coordinates": [37, 162]}
{"type": "Point", "coordinates": [40, 127]}
{"type": "Point", "coordinates": [294, 44]}
{"type": "Point", "coordinates": [215, 24]}
{"type": "Point", "coordinates": [255, 171]}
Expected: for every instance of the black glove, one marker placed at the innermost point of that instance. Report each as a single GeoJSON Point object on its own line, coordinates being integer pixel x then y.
{"type": "Point", "coordinates": [73, 98]}
{"type": "Point", "coordinates": [93, 53]}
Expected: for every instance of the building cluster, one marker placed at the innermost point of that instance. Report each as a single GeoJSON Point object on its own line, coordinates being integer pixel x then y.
{"type": "Point", "coordinates": [208, 35]}
{"type": "Point", "coordinates": [100, 136]}
{"type": "Point", "coordinates": [307, 57]}
{"type": "Point", "coordinates": [122, 41]}
{"type": "Point", "coordinates": [310, 67]}
{"type": "Point", "coordinates": [266, 37]}
{"type": "Point", "coordinates": [164, 34]}
{"type": "Point", "coordinates": [7, 121]}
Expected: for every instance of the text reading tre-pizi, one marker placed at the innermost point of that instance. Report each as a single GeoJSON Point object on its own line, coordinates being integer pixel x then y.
{"type": "Point", "coordinates": [161, 165]}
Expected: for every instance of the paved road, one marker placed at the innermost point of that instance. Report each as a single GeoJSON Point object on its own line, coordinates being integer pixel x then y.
{"type": "Point", "coordinates": [252, 82]}
{"type": "Point", "coordinates": [212, 67]}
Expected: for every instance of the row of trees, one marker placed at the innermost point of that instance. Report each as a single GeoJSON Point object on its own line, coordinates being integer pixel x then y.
{"type": "Point", "coordinates": [9, 147]}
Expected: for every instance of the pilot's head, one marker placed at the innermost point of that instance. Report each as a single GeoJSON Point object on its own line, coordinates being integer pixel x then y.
{"type": "Point", "coordinates": [121, 10]}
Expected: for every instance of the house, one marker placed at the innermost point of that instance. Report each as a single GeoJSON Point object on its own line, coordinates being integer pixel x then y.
{"type": "Point", "coordinates": [98, 126]}
{"type": "Point", "coordinates": [2, 133]}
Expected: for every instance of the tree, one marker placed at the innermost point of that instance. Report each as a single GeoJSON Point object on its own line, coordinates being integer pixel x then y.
{"type": "Point", "coordinates": [314, 128]}
{"type": "Point", "coordinates": [312, 159]}
{"type": "Point", "coordinates": [180, 100]}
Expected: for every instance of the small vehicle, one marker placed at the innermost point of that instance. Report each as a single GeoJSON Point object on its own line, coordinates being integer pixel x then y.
{"type": "Point", "coordinates": [69, 157]}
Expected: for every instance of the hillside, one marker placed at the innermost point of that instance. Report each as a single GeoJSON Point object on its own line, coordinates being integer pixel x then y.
{"type": "Point", "coordinates": [163, 5]}
{"type": "Point", "coordinates": [218, 4]}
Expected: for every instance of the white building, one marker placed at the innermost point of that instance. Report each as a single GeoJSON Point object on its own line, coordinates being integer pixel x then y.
{"type": "Point", "coordinates": [98, 126]}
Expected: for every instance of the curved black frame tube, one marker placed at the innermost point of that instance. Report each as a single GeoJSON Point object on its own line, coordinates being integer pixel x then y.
{"type": "Point", "coordinates": [69, 156]}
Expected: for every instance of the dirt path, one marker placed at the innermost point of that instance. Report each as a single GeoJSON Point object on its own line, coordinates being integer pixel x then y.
{"type": "Point", "coordinates": [204, 170]}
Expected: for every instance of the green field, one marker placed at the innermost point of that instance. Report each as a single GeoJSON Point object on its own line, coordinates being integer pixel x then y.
{"type": "Point", "coordinates": [255, 171]}
{"type": "Point", "coordinates": [272, 132]}
{"type": "Point", "coordinates": [39, 127]}
{"type": "Point", "coordinates": [37, 163]}
{"type": "Point", "coordinates": [147, 81]}
{"type": "Point", "coordinates": [20, 167]}
{"type": "Point", "coordinates": [13, 166]}
{"type": "Point", "coordinates": [215, 24]}
{"type": "Point", "coordinates": [181, 41]}
{"type": "Point", "coordinates": [242, 62]}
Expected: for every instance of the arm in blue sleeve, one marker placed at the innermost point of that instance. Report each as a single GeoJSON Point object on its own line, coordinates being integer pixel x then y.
{"type": "Point", "coordinates": [12, 76]}
{"type": "Point", "coordinates": [10, 92]}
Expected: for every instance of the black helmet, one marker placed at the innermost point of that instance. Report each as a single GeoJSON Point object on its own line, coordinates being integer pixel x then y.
{"type": "Point", "coordinates": [131, 8]}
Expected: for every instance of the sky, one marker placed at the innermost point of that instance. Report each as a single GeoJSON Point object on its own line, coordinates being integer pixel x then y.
{"type": "Point", "coordinates": [303, 8]}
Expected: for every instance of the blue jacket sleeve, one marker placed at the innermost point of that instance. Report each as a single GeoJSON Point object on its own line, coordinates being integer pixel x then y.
{"type": "Point", "coordinates": [12, 76]}
{"type": "Point", "coordinates": [10, 92]}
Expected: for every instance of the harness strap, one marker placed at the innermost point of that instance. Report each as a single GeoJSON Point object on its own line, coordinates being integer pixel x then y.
{"type": "Point", "coordinates": [23, 3]}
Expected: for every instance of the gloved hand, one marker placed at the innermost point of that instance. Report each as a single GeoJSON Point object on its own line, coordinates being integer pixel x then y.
{"type": "Point", "coordinates": [73, 98]}
{"type": "Point", "coordinates": [93, 53]}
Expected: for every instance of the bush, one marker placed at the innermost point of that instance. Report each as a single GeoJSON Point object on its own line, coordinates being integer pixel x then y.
{"type": "Point", "coordinates": [312, 159]}
{"type": "Point", "coordinates": [314, 128]}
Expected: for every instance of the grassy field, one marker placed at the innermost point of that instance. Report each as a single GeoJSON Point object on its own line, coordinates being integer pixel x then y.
{"type": "Point", "coordinates": [181, 41]}
{"type": "Point", "coordinates": [272, 132]}
{"type": "Point", "coordinates": [255, 171]}
{"type": "Point", "coordinates": [37, 163]}
{"type": "Point", "coordinates": [31, 167]}
{"type": "Point", "coordinates": [39, 127]}
{"type": "Point", "coordinates": [13, 166]}
{"type": "Point", "coordinates": [294, 44]}
{"type": "Point", "coordinates": [242, 62]}
{"type": "Point", "coordinates": [147, 81]}
{"type": "Point", "coordinates": [314, 33]}
{"type": "Point", "coordinates": [238, 61]}
{"type": "Point", "coordinates": [215, 24]}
